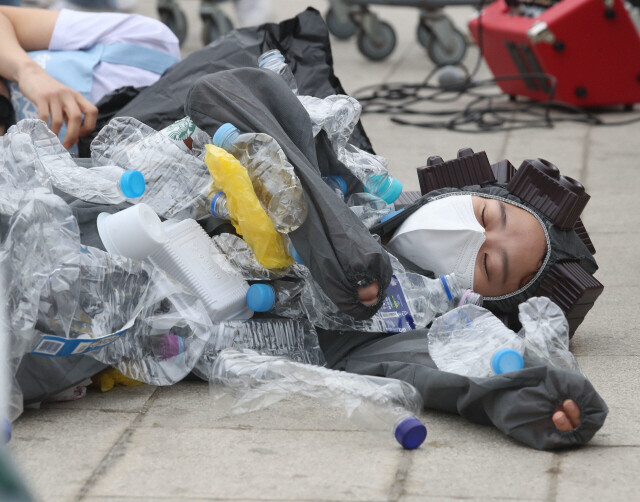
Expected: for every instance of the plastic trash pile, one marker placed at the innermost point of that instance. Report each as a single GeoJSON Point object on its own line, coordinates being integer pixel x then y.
{"type": "Point", "coordinates": [166, 299]}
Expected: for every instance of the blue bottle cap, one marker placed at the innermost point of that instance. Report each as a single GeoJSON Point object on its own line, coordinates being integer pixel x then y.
{"type": "Point", "coordinates": [261, 297]}
{"type": "Point", "coordinates": [388, 189]}
{"type": "Point", "coordinates": [222, 137]}
{"type": "Point", "coordinates": [391, 215]}
{"type": "Point", "coordinates": [6, 431]}
{"type": "Point", "coordinates": [132, 184]}
{"type": "Point", "coordinates": [273, 56]}
{"type": "Point", "coordinates": [340, 181]}
{"type": "Point", "coordinates": [410, 433]}
{"type": "Point", "coordinates": [213, 205]}
{"type": "Point", "coordinates": [506, 360]}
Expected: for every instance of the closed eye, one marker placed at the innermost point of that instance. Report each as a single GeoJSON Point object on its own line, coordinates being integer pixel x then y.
{"type": "Point", "coordinates": [483, 223]}
{"type": "Point", "coordinates": [486, 270]}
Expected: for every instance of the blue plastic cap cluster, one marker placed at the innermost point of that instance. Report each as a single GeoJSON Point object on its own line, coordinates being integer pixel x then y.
{"type": "Point", "coordinates": [388, 189]}
{"type": "Point", "coordinates": [410, 433]}
{"type": "Point", "coordinates": [261, 297]}
{"type": "Point", "coordinates": [506, 360]}
{"type": "Point", "coordinates": [132, 184]}
{"type": "Point", "coordinates": [224, 135]}
{"type": "Point", "coordinates": [391, 215]}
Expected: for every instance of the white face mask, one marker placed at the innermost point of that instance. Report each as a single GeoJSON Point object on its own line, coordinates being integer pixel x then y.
{"type": "Point", "coordinates": [443, 236]}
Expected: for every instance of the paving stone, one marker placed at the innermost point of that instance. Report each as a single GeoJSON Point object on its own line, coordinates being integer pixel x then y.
{"type": "Point", "coordinates": [258, 464]}
{"type": "Point", "coordinates": [599, 474]}
{"type": "Point", "coordinates": [125, 399]}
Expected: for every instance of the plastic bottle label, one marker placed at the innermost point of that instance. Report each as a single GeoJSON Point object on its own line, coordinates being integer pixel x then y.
{"type": "Point", "coordinates": [180, 130]}
{"type": "Point", "coordinates": [57, 346]}
{"type": "Point", "coordinates": [395, 313]}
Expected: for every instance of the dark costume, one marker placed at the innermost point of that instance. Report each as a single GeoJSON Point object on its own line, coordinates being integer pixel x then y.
{"type": "Point", "coordinates": [336, 247]}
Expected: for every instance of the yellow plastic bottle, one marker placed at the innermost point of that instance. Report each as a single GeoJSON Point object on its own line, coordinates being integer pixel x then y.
{"type": "Point", "coordinates": [247, 215]}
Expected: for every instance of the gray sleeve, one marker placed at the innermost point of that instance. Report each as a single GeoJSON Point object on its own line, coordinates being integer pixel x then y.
{"type": "Point", "coordinates": [520, 404]}
{"type": "Point", "coordinates": [333, 243]}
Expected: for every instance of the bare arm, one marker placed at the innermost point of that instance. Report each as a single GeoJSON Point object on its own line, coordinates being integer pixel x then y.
{"type": "Point", "coordinates": [24, 30]}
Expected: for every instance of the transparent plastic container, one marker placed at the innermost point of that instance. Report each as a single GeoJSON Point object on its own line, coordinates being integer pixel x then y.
{"type": "Point", "coordinates": [375, 403]}
{"type": "Point", "coordinates": [189, 256]}
{"type": "Point", "coordinates": [274, 61]}
{"type": "Point", "coordinates": [273, 177]}
{"type": "Point", "coordinates": [177, 181]}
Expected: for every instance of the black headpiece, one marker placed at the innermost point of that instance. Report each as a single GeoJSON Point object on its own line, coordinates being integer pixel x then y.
{"type": "Point", "coordinates": [557, 201]}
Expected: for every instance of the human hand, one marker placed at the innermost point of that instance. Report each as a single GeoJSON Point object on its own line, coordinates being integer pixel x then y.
{"type": "Point", "coordinates": [58, 103]}
{"type": "Point", "coordinates": [369, 294]}
{"type": "Point", "coordinates": [567, 416]}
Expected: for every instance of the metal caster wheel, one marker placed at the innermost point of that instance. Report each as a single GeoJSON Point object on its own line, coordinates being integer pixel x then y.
{"type": "Point", "coordinates": [174, 17]}
{"type": "Point", "coordinates": [340, 28]}
{"type": "Point", "coordinates": [215, 25]}
{"type": "Point", "coordinates": [377, 47]}
{"type": "Point", "coordinates": [442, 54]}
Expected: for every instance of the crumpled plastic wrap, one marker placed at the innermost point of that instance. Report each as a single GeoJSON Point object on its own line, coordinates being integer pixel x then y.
{"type": "Point", "coordinates": [242, 259]}
{"type": "Point", "coordinates": [177, 181]}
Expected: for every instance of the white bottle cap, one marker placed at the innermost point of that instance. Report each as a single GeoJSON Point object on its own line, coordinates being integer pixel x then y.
{"type": "Point", "coordinates": [134, 232]}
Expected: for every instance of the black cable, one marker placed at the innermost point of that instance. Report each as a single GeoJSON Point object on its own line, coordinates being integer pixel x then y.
{"type": "Point", "coordinates": [486, 111]}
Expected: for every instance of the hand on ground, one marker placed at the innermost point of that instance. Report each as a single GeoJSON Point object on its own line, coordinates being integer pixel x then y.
{"type": "Point", "coordinates": [58, 103]}
{"type": "Point", "coordinates": [369, 294]}
{"type": "Point", "coordinates": [567, 416]}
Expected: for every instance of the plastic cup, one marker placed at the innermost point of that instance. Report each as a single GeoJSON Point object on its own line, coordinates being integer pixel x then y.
{"type": "Point", "coordinates": [134, 232]}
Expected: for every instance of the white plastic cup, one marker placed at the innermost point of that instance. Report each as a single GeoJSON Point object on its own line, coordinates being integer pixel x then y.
{"type": "Point", "coordinates": [134, 232]}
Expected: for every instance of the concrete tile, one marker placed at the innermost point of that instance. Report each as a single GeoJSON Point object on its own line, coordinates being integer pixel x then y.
{"type": "Point", "coordinates": [612, 210]}
{"type": "Point", "coordinates": [611, 327]}
{"type": "Point", "coordinates": [420, 498]}
{"type": "Point", "coordinates": [618, 258]}
{"type": "Point", "coordinates": [57, 450]}
{"type": "Point", "coordinates": [262, 465]}
{"type": "Point", "coordinates": [118, 399]}
{"type": "Point", "coordinates": [617, 380]}
{"type": "Point", "coordinates": [599, 474]}
{"type": "Point", "coordinates": [462, 460]}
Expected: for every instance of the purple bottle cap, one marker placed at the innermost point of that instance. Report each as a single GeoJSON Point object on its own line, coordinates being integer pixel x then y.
{"type": "Point", "coordinates": [410, 433]}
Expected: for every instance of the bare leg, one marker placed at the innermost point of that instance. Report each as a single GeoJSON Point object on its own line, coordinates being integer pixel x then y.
{"type": "Point", "coordinates": [567, 416]}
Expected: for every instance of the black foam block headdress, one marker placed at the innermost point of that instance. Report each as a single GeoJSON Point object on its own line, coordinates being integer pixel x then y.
{"type": "Point", "coordinates": [566, 276]}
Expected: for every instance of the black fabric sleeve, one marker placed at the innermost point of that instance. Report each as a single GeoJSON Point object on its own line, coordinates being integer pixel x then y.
{"type": "Point", "coordinates": [520, 403]}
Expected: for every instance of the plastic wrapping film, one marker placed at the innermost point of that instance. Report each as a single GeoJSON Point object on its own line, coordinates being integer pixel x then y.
{"type": "Point", "coordinates": [242, 259]}
{"type": "Point", "coordinates": [56, 287]}
{"type": "Point", "coordinates": [177, 179]}
{"type": "Point", "coordinates": [256, 381]}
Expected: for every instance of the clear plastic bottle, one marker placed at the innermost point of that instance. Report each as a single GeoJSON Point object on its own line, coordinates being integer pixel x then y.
{"type": "Point", "coordinates": [471, 341]}
{"type": "Point", "coordinates": [242, 259]}
{"type": "Point", "coordinates": [218, 206]}
{"type": "Point", "coordinates": [369, 208]}
{"type": "Point", "coordinates": [177, 181]}
{"type": "Point", "coordinates": [107, 184]}
{"type": "Point", "coordinates": [412, 302]}
{"type": "Point", "coordinates": [337, 184]}
{"type": "Point", "coordinates": [295, 339]}
{"type": "Point", "coordinates": [375, 403]}
{"type": "Point", "coordinates": [273, 177]}
{"type": "Point", "coordinates": [273, 60]}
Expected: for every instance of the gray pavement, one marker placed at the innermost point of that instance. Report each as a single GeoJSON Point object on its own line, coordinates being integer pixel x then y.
{"type": "Point", "coordinates": [147, 443]}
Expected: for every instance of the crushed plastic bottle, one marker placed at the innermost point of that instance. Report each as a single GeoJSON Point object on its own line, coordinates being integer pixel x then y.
{"type": "Point", "coordinates": [375, 403]}
{"type": "Point", "coordinates": [107, 184]}
{"type": "Point", "coordinates": [273, 60]}
{"type": "Point", "coordinates": [295, 339]}
{"type": "Point", "coordinates": [471, 341]}
{"type": "Point", "coordinates": [412, 302]}
{"type": "Point", "coordinates": [218, 206]}
{"type": "Point", "coordinates": [242, 259]}
{"type": "Point", "coordinates": [247, 215]}
{"type": "Point", "coordinates": [177, 181]}
{"type": "Point", "coordinates": [273, 177]}
{"type": "Point", "coordinates": [466, 340]}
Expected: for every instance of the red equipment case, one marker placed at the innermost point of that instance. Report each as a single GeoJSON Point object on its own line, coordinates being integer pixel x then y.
{"type": "Point", "coordinates": [592, 47]}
